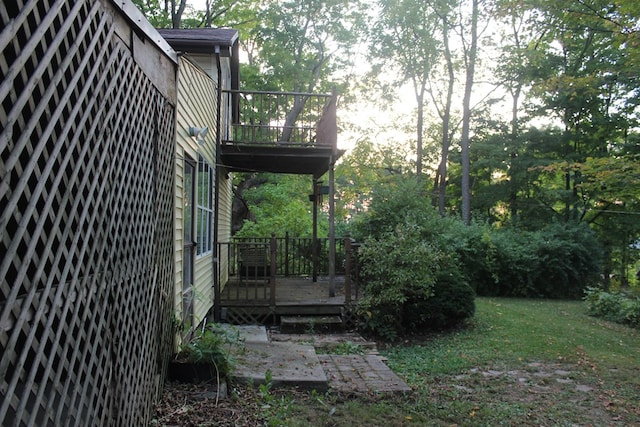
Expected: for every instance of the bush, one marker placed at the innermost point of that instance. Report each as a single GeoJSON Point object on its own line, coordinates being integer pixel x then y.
{"type": "Point", "coordinates": [396, 268]}
{"type": "Point", "coordinates": [556, 262]}
{"type": "Point", "coordinates": [452, 303]}
{"type": "Point", "coordinates": [210, 345]}
{"type": "Point", "coordinates": [412, 278]}
{"type": "Point", "coordinates": [569, 257]}
{"type": "Point", "coordinates": [619, 307]}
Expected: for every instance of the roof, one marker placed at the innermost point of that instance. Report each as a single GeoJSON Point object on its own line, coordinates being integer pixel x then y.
{"type": "Point", "coordinates": [201, 40]}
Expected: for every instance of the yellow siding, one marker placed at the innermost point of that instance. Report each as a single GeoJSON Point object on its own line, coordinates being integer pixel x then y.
{"type": "Point", "coordinates": [179, 230]}
{"type": "Point", "coordinates": [203, 289]}
{"type": "Point", "coordinates": [197, 96]}
{"type": "Point", "coordinates": [224, 211]}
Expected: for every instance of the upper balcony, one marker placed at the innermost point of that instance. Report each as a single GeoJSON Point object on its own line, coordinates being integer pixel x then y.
{"type": "Point", "coordinates": [280, 132]}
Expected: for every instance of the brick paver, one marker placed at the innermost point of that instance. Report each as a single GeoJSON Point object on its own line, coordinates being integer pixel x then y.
{"type": "Point", "coordinates": [361, 374]}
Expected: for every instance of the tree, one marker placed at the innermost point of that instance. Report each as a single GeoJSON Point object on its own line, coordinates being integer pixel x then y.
{"type": "Point", "coordinates": [404, 37]}
{"type": "Point", "coordinates": [444, 109]}
{"type": "Point", "coordinates": [366, 166]}
{"type": "Point", "coordinates": [471, 52]}
{"type": "Point", "coordinates": [279, 204]}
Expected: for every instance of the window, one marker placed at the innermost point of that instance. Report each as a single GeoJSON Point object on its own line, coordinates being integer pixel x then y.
{"type": "Point", "coordinates": [189, 245]}
{"type": "Point", "coordinates": [204, 207]}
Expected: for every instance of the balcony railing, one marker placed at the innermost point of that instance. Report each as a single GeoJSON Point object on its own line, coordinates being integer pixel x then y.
{"type": "Point", "coordinates": [282, 118]}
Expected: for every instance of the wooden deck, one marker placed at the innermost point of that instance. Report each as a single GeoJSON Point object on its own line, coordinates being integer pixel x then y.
{"type": "Point", "coordinates": [249, 300]}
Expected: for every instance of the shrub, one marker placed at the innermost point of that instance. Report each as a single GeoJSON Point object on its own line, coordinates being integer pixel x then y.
{"type": "Point", "coordinates": [411, 272]}
{"type": "Point", "coordinates": [568, 257]}
{"type": "Point", "coordinates": [619, 307]}
{"type": "Point", "coordinates": [452, 303]}
{"type": "Point", "coordinates": [210, 345]}
{"type": "Point", "coordinates": [396, 268]}
{"type": "Point", "coordinates": [556, 262]}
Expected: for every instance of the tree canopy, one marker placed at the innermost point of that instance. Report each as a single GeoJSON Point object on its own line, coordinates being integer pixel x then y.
{"type": "Point", "coordinates": [525, 112]}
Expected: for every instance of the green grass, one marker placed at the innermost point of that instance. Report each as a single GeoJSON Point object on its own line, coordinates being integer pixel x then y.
{"type": "Point", "coordinates": [519, 362]}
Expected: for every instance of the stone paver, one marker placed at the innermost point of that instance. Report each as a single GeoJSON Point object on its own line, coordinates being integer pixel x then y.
{"type": "Point", "coordinates": [287, 364]}
{"type": "Point", "coordinates": [295, 363]}
{"type": "Point", "coordinates": [360, 374]}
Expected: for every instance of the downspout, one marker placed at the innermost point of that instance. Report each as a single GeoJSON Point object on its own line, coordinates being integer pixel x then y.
{"type": "Point", "coordinates": [217, 308]}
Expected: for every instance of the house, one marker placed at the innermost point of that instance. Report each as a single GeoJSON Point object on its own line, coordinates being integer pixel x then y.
{"type": "Point", "coordinates": [222, 129]}
{"type": "Point", "coordinates": [208, 61]}
{"type": "Point", "coordinates": [116, 148]}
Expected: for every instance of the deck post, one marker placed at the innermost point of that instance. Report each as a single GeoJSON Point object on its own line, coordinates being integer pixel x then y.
{"type": "Point", "coordinates": [332, 234]}
{"type": "Point", "coordinates": [272, 279]}
{"type": "Point", "coordinates": [332, 201]}
{"type": "Point", "coordinates": [286, 254]}
{"type": "Point", "coordinates": [347, 269]}
{"type": "Point", "coordinates": [314, 243]}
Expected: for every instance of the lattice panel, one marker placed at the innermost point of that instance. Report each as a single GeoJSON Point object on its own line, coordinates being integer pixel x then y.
{"type": "Point", "coordinates": [350, 318]}
{"type": "Point", "coordinates": [86, 168]}
{"type": "Point", "coordinates": [250, 315]}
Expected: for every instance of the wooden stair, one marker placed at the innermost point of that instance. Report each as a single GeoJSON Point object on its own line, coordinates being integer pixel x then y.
{"type": "Point", "coordinates": [306, 324]}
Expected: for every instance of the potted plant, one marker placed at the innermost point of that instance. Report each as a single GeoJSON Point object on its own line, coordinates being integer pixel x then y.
{"type": "Point", "coordinates": [205, 355]}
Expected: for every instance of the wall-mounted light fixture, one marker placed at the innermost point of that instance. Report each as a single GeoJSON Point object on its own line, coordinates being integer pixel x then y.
{"type": "Point", "coordinates": [198, 132]}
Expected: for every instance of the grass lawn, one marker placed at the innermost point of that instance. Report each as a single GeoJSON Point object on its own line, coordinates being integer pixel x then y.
{"type": "Point", "coordinates": [518, 363]}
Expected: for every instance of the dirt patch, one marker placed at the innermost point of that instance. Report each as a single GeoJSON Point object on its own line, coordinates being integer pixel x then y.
{"type": "Point", "coordinates": [541, 393]}
{"type": "Point", "coordinates": [187, 405]}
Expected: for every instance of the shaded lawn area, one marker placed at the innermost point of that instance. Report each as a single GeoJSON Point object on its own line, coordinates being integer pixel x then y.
{"type": "Point", "coordinates": [518, 363]}
{"type": "Point", "coordinates": [525, 362]}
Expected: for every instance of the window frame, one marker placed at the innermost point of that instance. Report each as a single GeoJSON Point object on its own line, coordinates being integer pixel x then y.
{"type": "Point", "coordinates": [204, 208]}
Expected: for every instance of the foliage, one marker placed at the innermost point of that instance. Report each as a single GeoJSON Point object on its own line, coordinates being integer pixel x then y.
{"type": "Point", "coordinates": [298, 42]}
{"type": "Point", "coordinates": [394, 201]}
{"type": "Point", "coordinates": [366, 166]}
{"type": "Point", "coordinates": [397, 268]}
{"type": "Point", "coordinates": [618, 306]}
{"type": "Point", "coordinates": [274, 408]}
{"type": "Point", "coordinates": [452, 303]}
{"type": "Point", "coordinates": [281, 205]}
{"type": "Point", "coordinates": [558, 261]}
{"type": "Point", "coordinates": [210, 345]}
{"type": "Point", "coordinates": [404, 259]}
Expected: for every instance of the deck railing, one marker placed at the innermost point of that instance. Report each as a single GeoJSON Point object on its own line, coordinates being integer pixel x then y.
{"type": "Point", "coordinates": [255, 263]}
{"type": "Point", "coordinates": [281, 118]}
{"type": "Point", "coordinates": [294, 255]}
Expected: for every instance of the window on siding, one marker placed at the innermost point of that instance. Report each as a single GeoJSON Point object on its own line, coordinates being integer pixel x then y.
{"type": "Point", "coordinates": [204, 207]}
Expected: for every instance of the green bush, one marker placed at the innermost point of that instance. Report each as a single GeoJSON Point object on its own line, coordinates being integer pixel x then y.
{"type": "Point", "coordinates": [396, 268]}
{"type": "Point", "coordinates": [210, 345]}
{"type": "Point", "coordinates": [556, 262]}
{"type": "Point", "coordinates": [569, 257]}
{"type": "Point", "coordinates": [619, 307]}
{"type": "Point", "coordinates": [452, 303]}
{"type": "Point", "coordinates": [411, 273]}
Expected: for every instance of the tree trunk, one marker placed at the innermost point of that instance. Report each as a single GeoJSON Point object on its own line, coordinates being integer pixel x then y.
{"type": "Point", "coordinates": [513, 185]}
{"type": "Point", "coordinates": [420, 99]}
{"type": "Point", "coordinates": [446, 119]}
{"type": "Point", "coordinates": [176, 12]}
{"type": "Point", "coordinates": [466, 114]}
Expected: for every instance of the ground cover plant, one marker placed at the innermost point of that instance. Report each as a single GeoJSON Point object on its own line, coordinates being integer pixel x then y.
{"type": "Point", "coordinates": [518, 362]}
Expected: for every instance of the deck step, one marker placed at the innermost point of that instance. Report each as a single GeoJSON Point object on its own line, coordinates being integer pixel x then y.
{"type": "Point", "coordinates": [298, 324]}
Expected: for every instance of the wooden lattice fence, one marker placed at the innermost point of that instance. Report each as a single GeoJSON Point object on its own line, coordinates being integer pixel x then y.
{"type": "Point", "coordinates": [87, 115]}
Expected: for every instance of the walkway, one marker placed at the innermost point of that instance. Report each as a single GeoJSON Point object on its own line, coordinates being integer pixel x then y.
{"type": "Point", "coordinates": [292, 360]}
